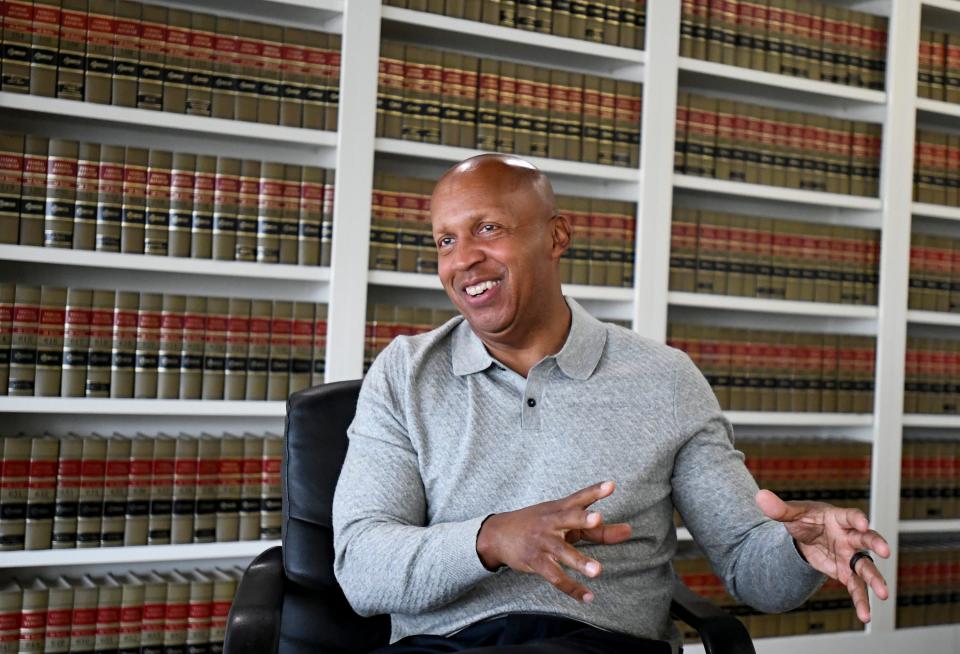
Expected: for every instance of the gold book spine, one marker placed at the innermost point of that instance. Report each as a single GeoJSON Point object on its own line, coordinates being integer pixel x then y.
{"type": "Point", "coordinates": [71, 55]}
{"type": "Point", "coordinates": [87, 191]}
{"type": "Point", "coordinates": [229, 486]}
{"type": "Point", "coordinates": [11, 182]}
{"type": "Point", "coordinates": [99, 354]}
{"type": "Point", "coordinates": [110, 174]}
{"type": "Point", "coordinates": [293, 76]}
{"type": "Point", "coordinates": [34, 190]}
{"type": "Point", "coordinates": [250, 491]}
{"type": "Point", "coordinates": [215, 348]}
{"type": "Point", "coordinates": [50, 329]}
{"type": "Point", "coordinates": [153, 36]}
{"type": "Point", "coordinates": [326, 227]}
{"type": "Point", "coordinates": [278, 372]}
{"type": "Point", "coordinates": [137, 506]}
{"type": "Point", "coordinates": [226, 62]}
{"type": "Point", "coordinates": [171, 346]}
{"type": "Point", "coordinates": [133, 211]}
{"type": "Point", "coordinates": [332, 57]}
{"type": "Point", "coordinates": [249, 210]}
{"type": "Point", "coordinates": [258, 356]}
{"type": "Point", "coordinates": [301, 346]}
{"type": "Point", "coordinates": [146, 357]}
{"type": "Point", "coordinates": [290, 213]}
{"type": "Point", "coordinates": [235, 363]}
{"type": "Point", "coordinates": [270, 489]}
{"type": "Point", "coordinates": [204, 202]}
{"type": "Point", "coordinates": [316, 94]}
{"type": "Point", "coordinates": [116, 478]}
{"type": "Point", "coordinates": [90, 500]}
{"type": "Point", "coordinates": [191, 353]}
{"type": "Point", "coordinates": [487, 104]}
{"type": "Point", "coordinates": [310, 216]}
{"type": "Point", "coordinates": [161, 496]}
{"type": "Point", "coordinates": [45, 29]}
{"type": "Point", "coordinates": [249, 53]}
{"type": "Point", "coordinates": [318, 366]}
{"type": "Point", "coordinates": [7, 293]}
{"type": "Point", "coordinates": [23, 343]}
{"type": "Point", "coordinates": [182, 185]}
{"type": "Point", "coordinates": [389, 91]}
{"type": "Point", "coordinates": [17, 46]}
{"type": "Point", "coordinates": [126, 59]}
{"type": "Point", "coordinates": [226, 197]}
{"type": "Point", "coordinates": [102, 41]}
{"type": "Point", "coordinates": [156, 238]}
{"type": "Point", "coordinates": [269, 211]}
{"type": "Point", "coordinates": [205, 519]}
{"type": "Point", "coordinates": [176, 63]}
{"type": "Point", "coordinates": [269, 75]}
{"type": "Point", "coordinates": [61, 193]}
{"type": "Point", "coordinates": [184, 489]}
{"type": "Point", "coordinates": [200, 64]}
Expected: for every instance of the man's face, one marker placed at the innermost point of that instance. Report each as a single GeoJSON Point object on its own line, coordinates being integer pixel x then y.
{"type": "Point", "coordinates": [494, 250]}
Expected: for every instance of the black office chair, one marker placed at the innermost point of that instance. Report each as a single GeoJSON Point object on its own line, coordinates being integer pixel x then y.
{"type": "Point", "coordinates": [289, 601]}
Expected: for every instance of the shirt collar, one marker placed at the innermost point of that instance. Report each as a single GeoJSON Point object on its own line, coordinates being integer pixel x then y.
{"type": "Point", "coordinates": [578, 357]}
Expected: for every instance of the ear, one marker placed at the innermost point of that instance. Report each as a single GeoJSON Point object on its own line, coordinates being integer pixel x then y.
{"type": "Point", "coordinates": [561, 232]}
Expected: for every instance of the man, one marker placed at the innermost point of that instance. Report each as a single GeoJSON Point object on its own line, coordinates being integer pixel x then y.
{"type": "Point", "coordinates": [484, 451]}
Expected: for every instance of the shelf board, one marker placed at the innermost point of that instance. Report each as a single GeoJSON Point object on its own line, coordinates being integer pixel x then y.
{"type": "Point", "coordinates": [492, 38]}
{"type": "Point", "coordinates": [938, 107]}
{"type": "Point", "coordinates": [934, 421]}
{"type": "Point", "coordinates": [432, 282]}
{"type": "Point", "coordinates": [946, 5]}
{"type": "Point", "coordinates": [761, 305]}
{"type": "Point", "coordinates": [788, 419]}
{"type": "Point", "coordinates": [944, 318]}
{"type": "Point", "coordinates": [105, 113]}
{"type": "Point", "coordinates": [740, 75]}
{"type": "Point", "coordinates": [176, 265]}
{"type": "Point", "coordinates": [929, 526]}
{"type": "Point", "coordinates": [127, 407]}
{"type": "Point", "coordinates": [941, 211]}
{"type": "Point", "coordinates": [777, 193]}
{"type": "Point", "coordinates": [134, 554]}
{"type": "Point", "coordinates": [683, 534]}
{"type": "Point", "coordinates": [452, 154]}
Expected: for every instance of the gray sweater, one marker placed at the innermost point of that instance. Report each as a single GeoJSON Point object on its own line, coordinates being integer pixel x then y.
{"type": "Point", "coordinates": [444, 436]}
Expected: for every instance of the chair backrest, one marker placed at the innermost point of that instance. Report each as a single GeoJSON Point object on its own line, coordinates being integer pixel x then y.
{"type": "Point", "coordinates": [316, 616]}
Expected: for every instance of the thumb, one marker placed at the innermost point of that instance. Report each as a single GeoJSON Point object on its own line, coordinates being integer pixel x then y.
{"type": "Point", "coordinates": [775, 508]}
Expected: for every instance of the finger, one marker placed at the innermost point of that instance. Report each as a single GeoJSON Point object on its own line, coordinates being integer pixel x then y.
{"type": "Point", "coordinates": [575, 560]}
{"type": "Point", "coordinates": [851, 519]}
{"type": "Point", "coordinates": [577, 518]}
{"type": "Point", "coordinates": [554, 574]}
{"type": "Point", "coordinates": [587, 496]}
{"type": "Point", "coordinates": [775, 508]}
{"type": "Point", "coordinates": [608, 534]}
{"type": "Point", "coordinates": [872, 578]}
{"type": "Point", "coordinates": [858, 593]}
{"type": "Point", "coordinates": [869, 540]}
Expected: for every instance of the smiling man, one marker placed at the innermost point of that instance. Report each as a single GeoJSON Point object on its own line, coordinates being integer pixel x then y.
{"type": "Point", "coordinates": [512, 475]}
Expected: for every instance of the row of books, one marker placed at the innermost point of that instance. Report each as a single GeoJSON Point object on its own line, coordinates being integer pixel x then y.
{"type": "Point", "coordinates": [932, 376]}
{"type": "Point", "coordinates": [614, 22]}
{"type": "Point", "coordinates": [751, 256]}
{"type": "Point", "coordinates": [936, 168]}
{"type": "Point", "coordinates": [152, 611]}
{"type": "Point", "coordinates": [445, 97]}
{"type": "Point", "coordinates": [91, 491]}
{"type": "Point", "coordinates": [387, 321]}
{"type": "Point", "coordinates": [758, 370]}
{"type": "Point", "coordinates": [811, 468]}
{"type": "Point", "coordinates": [87, 196]}
{"type": "Point", "coordinates": [938, 66]}
{"type": "Point", "coordinates": [934, 273]}
{"type": "Point", "coordinates": [742, 142]}
{"type": "Point", "coordinates": [930, 479]}
{"type": "Point", "coordinates": [928, 576]}
{"type": "Point", "coordinates": [602, 244]}
{"type": "Point", "coordinates": [169, 59]}
{"type": "Point", "coordinates": [99, 343]}
{"type": "Point", "coordinates": [801, 38]}
{"type": "Point", "coordinates": [828, 610]}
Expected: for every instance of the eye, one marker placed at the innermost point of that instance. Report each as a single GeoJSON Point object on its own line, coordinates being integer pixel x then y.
{"type": "Point", "coordinates": [444, 242]}
{"type": "Point", "coordinates": [488, 227]}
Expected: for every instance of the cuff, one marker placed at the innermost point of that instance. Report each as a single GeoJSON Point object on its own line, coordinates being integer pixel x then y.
{"type": "Point", "coordinates": [460, 558]}
{"type": "Point", "coordinates": [795, 563]}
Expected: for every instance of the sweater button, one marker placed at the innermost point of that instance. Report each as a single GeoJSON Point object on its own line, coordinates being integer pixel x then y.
{"type": "Point", "coordinates": [531, 402]}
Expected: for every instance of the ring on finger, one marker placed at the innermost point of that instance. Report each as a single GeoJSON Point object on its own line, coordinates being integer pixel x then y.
{"type": "Point", "coordinates": [862, 554]}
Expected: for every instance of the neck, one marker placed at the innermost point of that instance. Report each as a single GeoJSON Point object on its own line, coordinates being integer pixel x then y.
{"type": "Point", "coordinates": [544, 336]}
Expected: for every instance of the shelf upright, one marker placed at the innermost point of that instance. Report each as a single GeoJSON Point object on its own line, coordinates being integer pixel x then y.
{"type": "Point", "coordinates": [352, 202]}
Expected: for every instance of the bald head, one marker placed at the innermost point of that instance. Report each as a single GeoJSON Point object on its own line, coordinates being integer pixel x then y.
{"type": "Point", "coordinates": [502, 175]}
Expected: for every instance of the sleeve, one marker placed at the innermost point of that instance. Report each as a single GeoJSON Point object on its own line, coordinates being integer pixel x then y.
{"type": "Point", "coordinates": [387, 559]}
{"type": "Point", "coordinates": [714, 493]}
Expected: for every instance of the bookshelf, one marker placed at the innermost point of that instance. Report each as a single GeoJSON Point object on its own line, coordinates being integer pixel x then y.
{"type": "Point", "coordinates": [346, 285]}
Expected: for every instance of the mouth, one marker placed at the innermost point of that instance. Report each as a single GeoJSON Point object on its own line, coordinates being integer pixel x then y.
{"type": "Point", "coordinates": [480, 288]}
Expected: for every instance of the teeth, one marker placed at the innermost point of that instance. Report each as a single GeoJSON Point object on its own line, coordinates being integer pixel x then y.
{"type": "Point", "coordinates": [482, 287]}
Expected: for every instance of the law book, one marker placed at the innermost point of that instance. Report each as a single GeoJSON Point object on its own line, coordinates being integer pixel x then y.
{"type": "Point", "coordinates": [290, 213]}
{"type": "Point", "coordinates": [258, 357]}
{"type": "Point", "coordinates": [175, 612]}
{"type": "Point", "coordinates": [34, 189]}
{"type": "Point", "coordinates": [270, 489]}
{"type": "Point", "coordinates": [389, 90]}
{"type": "Point", "coordinates": [149, 315]}
{"type": "Point", "coordinates": [67, 493]}
{"type": "Point", "coordinates": [56, 637]}
{"type": "Point", "coordinates": [683, 249]}
{"type": "Point", "coordinates": [41, 489]}
{"type": "Point", "coordinates": [224, 589]}
{"type": "Point", "coordinates": [775, 30]}
{"type": "Point", "coordinates": [451, 88]}
{"type": "Point", "coordinates": [131, 612]}
{"type": "Point", "coordinates": [83, 617]}
{"type": "Point", "coordinates": [951, 92]}
{"type": "Point", "coordinates": [326, 225]}
{"type": "Point", "coordinates": [126, 54]}
{"type": "Point", "coordinates": [45, 38]}
{"type": "Point", "coordinates": [191, 351]}
{"type": "Point", "coordinates": [115, 480]}
{"type": "Point", "coordinates": [87, 192]}
{"type": "Point", "coordinates": [331, 79]}
{"type": "Point", "coordinates": [110, 198]}
{"type": "Point", "coordinates": [23, 341]}
{"type": "Point", "coordinates": [207, 489]}
{"type": "Point", "coordinates": [170, 346]}
{"type": "Point", "coordinates": [237, 344]}
{"type": "Point", "coordinates": [157, 216]}
{"type": "Point", "coordinates": [301, 347]}
{"type": "Point", "coordinates": [411, 124]}
{"type": "Point", "coordinates": [310, 215]}
{"type": "Point", "coordinates": [184, 489]}
{"type": "Point", "coordinates": [198, 612]}
{"type": "Point", "coordinates": [137, 491]}
{"type": "Point", "coordinates": [488, 85]}
{"type": "Point", "coordinates": [153, 37]}
{"type": "Point", "coordinates": [109, 595]}
{"type": "Point", "coordinates": [540, 139]}
{"type": "Point", "coordinates": [214, 348]}
{"type": "Point", "coordinates": [293, 76]}
{"type": "Point", "coordinates": [7, 293]}
{"type": "Point", "coordinates": [526, 15]}
{"type": "Point", "coordinates": [316, 91]}
{"type": "Point", "coordinates": [71, 51]}
{"type": "Point", "coordinates": [225, 68]}
{"type": "Point", "coordinates": [124, 347]}
{"type": "Point", "coordinates": [204, 197]}
{"type": "Point", "coordinates": [564, 115]}
{"type": "Point", "coordinates": [507, 107]}
{"type": "Point", "coordinates": [248, 215]}
{"type": "Point", "coordinates": [15, 457]}
{"type": "Point", "coordinates": [100, 350]}
{"type": "Point", "coordinates": [226, 198]}
{"type": "Point", "coordinates": [200, 64]}
{"type": "Point", "coordinates": [50, 326]}
{"type": "Point", "coordinates": [180, 220]}
{"type": "Point", "coordinates": [318, 366]}
{"type": "Point", "coordinates": [249, 52]}
{"type": "Point", "coordinates": [61, 193]}
{"type": "Point", "coordinates": [278, 374]}
{"type": "Point", "coordinates": [134, 203]}
{"type": "Point", "coordinates": [101, 41]}
{"type": "Point", "coordinates": [229, 484]}
{"type": "Point", "coordinates": [161, 491]}
{"type": "Point", "coordinates": [11, 181]}
{"type": "Point", "coordinates": [405, 232]}
{"type": "Point", "coordinates": [90, 499]}
{"type": "Point", "coordinates": [17, 46]}
{"type": "Point", "coordinates": [154, 609]}
{"type": "Point", "coordinates": [269, 68]}
{"type": "Point", "coordinates": [252, 468]}
{"type": "Point", "coordinates": [33, 616]}
{"type": "Point", "coordinates": [430, 90]}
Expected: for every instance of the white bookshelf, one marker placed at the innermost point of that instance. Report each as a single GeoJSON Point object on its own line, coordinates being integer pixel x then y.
{"type": "Point", "coordinates": [347, 284]}
{"type": "Point", "coordinates": [929, 526]}
{"type": "Point", "coordinates": [136, 554]}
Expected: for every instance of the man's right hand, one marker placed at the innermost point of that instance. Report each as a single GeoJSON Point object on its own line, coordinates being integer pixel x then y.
{"type": "Point", "coordinates": [538, 539]}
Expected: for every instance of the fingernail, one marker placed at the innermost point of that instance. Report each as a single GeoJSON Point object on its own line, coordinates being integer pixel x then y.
{"type": "Point", "coordinates": [593, 568]}
{"type": "Point", "coordinates": [587, 598]}
{"type": "Point", "coordinates": [593, 518]}
{"type": "Point", "coordinates": [606, 486]}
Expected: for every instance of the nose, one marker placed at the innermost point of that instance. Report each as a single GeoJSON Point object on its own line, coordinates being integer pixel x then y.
{"type": "Point", "coordinates": [467, 253]}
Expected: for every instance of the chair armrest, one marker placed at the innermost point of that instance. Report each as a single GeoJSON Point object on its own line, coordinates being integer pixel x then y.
{"type": "Point", "coordinates": [721, 633]}
{"type": "Point", "coordinates": [253, 626]}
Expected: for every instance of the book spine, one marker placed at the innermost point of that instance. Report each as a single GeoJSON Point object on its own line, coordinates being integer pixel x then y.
{"type": "Point", "coordinates": [153, 37]}
{"type": "Point", "coordinates": [487, 104]}
{"type": "Point", "coordinates": [332, 59]}
{"type": "Point", "coordinates": [123, 351]}
{"type": "Point", "coordinates": [248, 210]}
{"type": "Point", "coordinates": [157, 217]}
{"type": "Point", "coordinates": [146, 357]}
{"type": "Point", "coordinates": [88, 188]}
{"type": "Point", "coordinates": [171, 346]}
{"type": "Point", "coordinates": [45, 29]}
{"type": "Point", "coordinates": [126, 63]}
{"type": "Point", "coordinates": [161, 495]}
{"type": "Point", "coordinates": [237, 344]}
{"type": "Point", "coordinates": [7, 293]}
{"type": "Point", "coordinates": [137, 507]}
{"type": "Point", "coordinates": [154, 597]}
{"type": "Point", "coordinates": [109, 211]}
{"type": "Point", "coordinates": [229, 476]}
{"type": "Point", "coordinates": [200, 64]}
{"type": "Point", "coordinates": [326, 224]}
{"type": "Point", "coordinates": [108, 615]}
{"type": "Point", "coordinates": [204, 198]}
{"type": "Point", "coordinates": [184, 490]}
{"type": "Point", "coordinates": [259, 350]}
{"type": "Point", "coordinates": [318, 366]}
{"type": "Point", "coordinates": [290, 214]}
{"type": "Point", "coordinates": [134, 204]}
{"type": "Point", "coordinates": [198, 614]}
{"type": "Point", "coordinates": [50, 328]}
{"type": "Point", "coordinates": [225, 208]}
{"type": "Point", "coordinates": [115, 480]}
{"type": "Point", "coordinates": [250, 493]}
{"type": "Point", "coordinates": [90, 499]}
{"type": "Point", "coordinates": [270, 489]}
{"type": "Point", "coordinates": [61, 193]}
{"type": "Point", "coordinates": [102, 40]}
{"type": "Point", "coordinates": [214, 348]}
{"type": "Point", "coordinates": [315, 95]}
{"type": "Point", "coordinates": [293, 76]}
{"type": "Point", "coordinates": [71, 57]}
{"type": "Point", "coordinates": [269, 213]}
{"type": "Point", "coordinates": [59, 609]}
{"type": "Point", "coordinates": [182, 184]}
{"type": "Point", "coordinates": [17, 46]}
{"type": "Point", "coordinates": [207, 483]}
{"type": "Point", "coordinates": [23, 342]}
{"type": "Point", "coordinates": [269, 67]}
{"type": "Point", "coordinates": [99, 353]}
{"type": "Point", "coordinates": [11, 182]}
{"type": "Point", "coordinates": [191, 353]}
{"type": "Point", "coordinates": [225, 68]}
{"type": "Point", "coordinates": [301, 347]}
{"type": "Point", "coordinates": [249, 53]}
{"type": "Point", "coordinates": [176, 609]}
{"type": "Point", "coordinates": [281, 326]}
{"type": "Point", "coordinates": [14, 491]}
{"type": "Point", "coordinates": [34, 190]}
{"type": "Point", "coordinates": [310, 216]}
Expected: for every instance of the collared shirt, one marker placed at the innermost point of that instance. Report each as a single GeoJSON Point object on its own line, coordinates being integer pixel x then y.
{"type": "Point", "coordinates": [445, 435]}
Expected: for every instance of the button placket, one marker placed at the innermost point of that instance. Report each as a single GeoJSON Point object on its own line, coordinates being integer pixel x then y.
{"type": "Point", "coordinates": [531, 401]}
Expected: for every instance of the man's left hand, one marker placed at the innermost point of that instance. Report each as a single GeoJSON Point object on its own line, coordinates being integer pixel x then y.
{"type": "Point", "coordinates": [828, 536]}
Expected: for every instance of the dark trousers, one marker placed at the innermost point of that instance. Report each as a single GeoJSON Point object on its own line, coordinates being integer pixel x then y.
{"type": "Point", "coordinates": [528, 634]}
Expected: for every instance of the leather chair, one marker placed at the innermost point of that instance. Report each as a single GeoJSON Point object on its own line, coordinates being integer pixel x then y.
{"type": "Point", "coordinates": [289, 600]}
